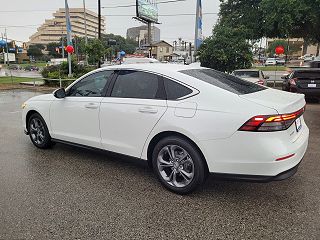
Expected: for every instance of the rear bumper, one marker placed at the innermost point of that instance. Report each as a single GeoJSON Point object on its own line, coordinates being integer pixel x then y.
{"type": "Point", "coordinates": [308, 92]}
{"type": "Point", "coordinates": [256, 178]}
{"type": "Point", "coordinates": [254, 155]}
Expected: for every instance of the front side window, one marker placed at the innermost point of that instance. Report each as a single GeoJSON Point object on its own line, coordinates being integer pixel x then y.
{"type": "Point", "coordinates": [91, 86]}
{"type": "Point", "coordinates": [135, 84]}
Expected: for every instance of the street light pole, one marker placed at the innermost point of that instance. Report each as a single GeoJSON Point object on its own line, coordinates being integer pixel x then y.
{"type": "Point", "coordinates": [99, 26]}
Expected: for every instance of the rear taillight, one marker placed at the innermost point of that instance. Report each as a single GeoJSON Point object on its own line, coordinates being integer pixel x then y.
{"type": "Point", "coordinates": [261, 82]}
{"type": "Point", "coordinates": [293, 81]}
{"type": "Point", "coordinates": [271, 123]}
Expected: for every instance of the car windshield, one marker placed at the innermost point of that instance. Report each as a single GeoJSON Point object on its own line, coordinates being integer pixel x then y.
{"type": "Point", "coordinates": [308, 74]}
{"type": "Point", "coordinates": [253, 74]}
{"type": "Point", "coordinates": [225, 81]}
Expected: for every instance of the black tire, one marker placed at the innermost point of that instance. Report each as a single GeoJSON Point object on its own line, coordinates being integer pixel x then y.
{"type": "Point", "coordinates": [39, 136]}
{"type": "Point", "coordinates": [200, 171]}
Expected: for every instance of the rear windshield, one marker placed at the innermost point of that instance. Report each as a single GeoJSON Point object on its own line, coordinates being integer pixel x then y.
{"type": "Point", "coordinates": [307, 74]}
{"type": "Point", "coordinates": [225, 81]}
{"type": "Point", "coordinates": [253, 74]}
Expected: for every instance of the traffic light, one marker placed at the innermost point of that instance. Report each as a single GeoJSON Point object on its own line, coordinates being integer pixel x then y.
{"type": "Point", "coordinates": [13, 44]}
{"type": "Point", "coordinates": [24, 46]}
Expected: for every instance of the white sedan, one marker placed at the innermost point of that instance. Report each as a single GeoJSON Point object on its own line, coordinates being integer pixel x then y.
{"type": "Point", "coordinates": [185, 121]}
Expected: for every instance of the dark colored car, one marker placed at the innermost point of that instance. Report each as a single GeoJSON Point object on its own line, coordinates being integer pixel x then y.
{"type": "Point", "coordinates": [306, 81]}
{"type": "Point", "coordinates": [31, 68]}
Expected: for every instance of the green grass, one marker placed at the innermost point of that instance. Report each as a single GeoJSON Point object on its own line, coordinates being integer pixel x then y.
{"type": "Point", "coordinates": [38, 64]}
{"type": "Point", "coordinates": [16, 80]}
{"type": "Point", "coordinates": [271, 68]}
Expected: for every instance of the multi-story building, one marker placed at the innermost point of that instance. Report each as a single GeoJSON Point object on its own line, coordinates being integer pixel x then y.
{"type": "Point", "coordinates": [140, 34]}
{"type": "Point", "coordinates": [53, 29]}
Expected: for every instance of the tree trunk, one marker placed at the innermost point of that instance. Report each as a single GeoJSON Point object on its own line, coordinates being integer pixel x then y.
{"type": "Point", "coordinates": [318, 48]}
{"type": "Point", "coordinates": [305, 47]}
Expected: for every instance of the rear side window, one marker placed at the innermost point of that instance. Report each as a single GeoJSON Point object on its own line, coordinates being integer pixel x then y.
{"type": "Point", "coordinates": [307, 74]}
{"type": "Point", "coordinates": [175, 90]}
{"type": "Point", "coordinates": [135, 84]}
{"type": "Point", "coordinates": [225, 81]}
{"type": "Point", "coordinates": [254, 74]}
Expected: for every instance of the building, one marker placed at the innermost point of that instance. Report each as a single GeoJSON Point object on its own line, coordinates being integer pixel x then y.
{"type": "Point", "coordinates": [53, 29]}
{"type": "Point", "coordinates": [162, 51]}
{"type": "Point", "coordinates": [140, 34]}
{"type": "Point", "coordinates": [299, 46]}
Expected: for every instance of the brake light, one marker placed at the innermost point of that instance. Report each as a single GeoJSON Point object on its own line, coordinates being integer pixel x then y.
{"type": "Point", "coordinates": [271, 123]}
{"type": "Point", "coordinates": [293, 81]}
{"type": "Point", "coordinates": [261, 82]}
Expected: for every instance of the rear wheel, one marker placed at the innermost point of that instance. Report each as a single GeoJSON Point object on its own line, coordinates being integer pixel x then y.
{"type": "Point", "coordinates": [38, 131]}
{"type": "Point", "coordinates": [178, 165]}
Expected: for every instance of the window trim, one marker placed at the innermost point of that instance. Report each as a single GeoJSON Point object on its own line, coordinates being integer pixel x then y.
{"type": "Point", "coordinates": [193, 93]}
{"type": "Point", "coordinates": [116, 71]}
{"type": "Point", "coordinates": [105, 88]}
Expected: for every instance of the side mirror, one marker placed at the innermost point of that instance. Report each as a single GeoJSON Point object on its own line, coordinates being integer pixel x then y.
{"type": "Point", "coordinates": [59, 93]}
{"type": "Point", "coordinates": [284, 77]}
{"type": "Point", "coordinates": [266, 77]}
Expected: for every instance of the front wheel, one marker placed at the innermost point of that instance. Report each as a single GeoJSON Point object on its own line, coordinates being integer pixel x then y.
{"type": "Point", "coordinates": [178, 165]}
{"type": "Point", "coordinates": [38, 131]}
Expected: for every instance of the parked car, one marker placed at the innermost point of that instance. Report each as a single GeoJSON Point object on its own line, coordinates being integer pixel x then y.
{"type": "Point", "coordinates": [133, 60]}
{"type": "Point", "coordinates": [31, 68]}
{"type": "Point", "coordinates": [306, 81]}
{"type": "Point", "coordinates": [252, 75]}
{"type": "Point", "coordinates": [14, 67]}
{"type": "Point", "coordinates": [307, 57]}
{"type": "Point", "coordinates": [270, 62]}
{"type": "Point", "coordinates": [280, 61]}
{"type": "Point", "coordinates": [185, 121]}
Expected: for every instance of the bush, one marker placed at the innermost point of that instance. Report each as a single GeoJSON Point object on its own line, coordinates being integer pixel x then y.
{"type": "Point", "coordinates": [56, 83]}
{"type": "Point", "coordinates": [62, 70]}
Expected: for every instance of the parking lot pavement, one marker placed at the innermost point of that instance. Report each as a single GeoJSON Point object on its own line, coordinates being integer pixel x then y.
{"type": "Point", "coordinates": [72, 193]}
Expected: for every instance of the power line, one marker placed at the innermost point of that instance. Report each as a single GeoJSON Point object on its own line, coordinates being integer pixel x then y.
{"type": "Point", "coordinates": [107, 7]}
{"type": "Point", "coordinates": [133, 5]}
{"type": "Point", "coordinates": [161, 15]}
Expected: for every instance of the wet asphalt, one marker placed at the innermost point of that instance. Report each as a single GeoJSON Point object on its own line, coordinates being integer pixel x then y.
{"type": "Point", "coordinates": [72, 193]}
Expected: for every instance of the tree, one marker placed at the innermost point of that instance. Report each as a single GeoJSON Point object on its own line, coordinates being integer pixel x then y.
{"type": "Point", "coordinates": [226, 50]}
{"type": "Point", "coordinates": [36, 51]}
{"type": "Point", "coordinates": [244, 14]}
{"type": "Point", "coordinates": [95, 50]}
{"type": "Point", "coordinates": [122, 44]}
{"type": "Point", "coordinates": [51, 48]}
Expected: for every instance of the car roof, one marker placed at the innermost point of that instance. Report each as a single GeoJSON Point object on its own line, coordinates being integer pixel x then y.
{"type": "Point", "coordinates": [307, 70]}
{"type": "Point", "coordinates": [153, 67]}
{"type": "Point", "coordinates": [246, 70]}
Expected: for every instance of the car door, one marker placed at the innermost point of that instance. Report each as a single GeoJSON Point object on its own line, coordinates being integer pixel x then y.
{"type": "Point", "coordinates": [134, 106]}
{"type": "Point", "coordinates": [75, 118]}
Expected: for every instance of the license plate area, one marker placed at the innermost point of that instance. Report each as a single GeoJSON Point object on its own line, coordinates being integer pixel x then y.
{"type": "Point", "coordinates": [312, 85]}
{"type": "Point", "coordinates": [298, 124]}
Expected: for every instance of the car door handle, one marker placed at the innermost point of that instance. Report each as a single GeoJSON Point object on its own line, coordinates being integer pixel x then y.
{"type": "Point", "coordinates": [148, 110]}
{"type": "Point", "coordinates": [91, 106]}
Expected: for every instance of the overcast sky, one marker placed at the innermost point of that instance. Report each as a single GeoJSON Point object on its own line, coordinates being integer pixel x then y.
{"type": "Point", "coordinates": [31, 13]}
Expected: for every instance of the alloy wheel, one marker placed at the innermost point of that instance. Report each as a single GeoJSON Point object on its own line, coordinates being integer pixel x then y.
{"type": "Point", "coordinates": [175, 166]}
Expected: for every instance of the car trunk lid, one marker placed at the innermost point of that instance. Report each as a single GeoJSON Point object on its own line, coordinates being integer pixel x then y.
{"type": "Point", "coordinates": [282, 102]}
{"type": "Point", "coordinates": [309, 79]}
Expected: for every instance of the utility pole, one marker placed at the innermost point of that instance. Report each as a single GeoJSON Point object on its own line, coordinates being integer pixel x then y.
{"type": "Point", "coordinates": [85, 28]}
{"type": "Point", "coordinates": [4, 61]}
{"type": "Point", "coordinates": [5, 32]}
{"type": "Point", "coordinates": [99, 26]}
